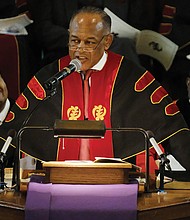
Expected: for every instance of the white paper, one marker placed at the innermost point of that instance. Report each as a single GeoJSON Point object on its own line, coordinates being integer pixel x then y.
{"type": "Point", "coordinates": [120, 27]}
{"type": "Point", "coordinates": [15, 25]}
{"type": "Point", "coordinates": [28, 163]}
{"type": "Point", "coordinates": [109, 159]}
{"type": "Point", "coordinates": [147, 42]}
{"type": "Point", "coordinates": [114, 160]}
{"type": "Point", "coordinates": [175, 165]}
{"type": "Point", "coordinates": [157, 46]}
{"type": "Point", "coordinates": [188, 56]}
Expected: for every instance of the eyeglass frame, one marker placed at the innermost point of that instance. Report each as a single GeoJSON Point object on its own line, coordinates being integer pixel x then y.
{"type": "Point", "coordinates": [84, 49]}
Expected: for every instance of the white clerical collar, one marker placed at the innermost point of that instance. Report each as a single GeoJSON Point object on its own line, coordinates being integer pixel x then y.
{"type": "Point", "coordinates": [101, 62]}
{"type": "Point", "coordinates": [99, 65]}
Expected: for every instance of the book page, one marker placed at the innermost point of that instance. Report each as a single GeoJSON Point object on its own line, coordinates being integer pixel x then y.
{"type": "Point", "coordinates": [15, 25]}
{"type": "Point", "coordinates": [147, 42]}
{"type": "Point", "coordinates": [175, 165]}
{"type": "Point", "coordinates": [120, 27]}
{"type": "Point", "coordinates": [114, 160]}
{"type": "Point", "coordinates": [108, 160]}
{"type": "Point", "coordinates": [157, 46]}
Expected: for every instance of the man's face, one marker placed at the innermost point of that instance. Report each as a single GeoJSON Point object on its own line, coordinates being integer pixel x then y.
{"type": "Point", "coordinates": [87, 31]}
{"type": "Point", "coordinates": [3, 93]}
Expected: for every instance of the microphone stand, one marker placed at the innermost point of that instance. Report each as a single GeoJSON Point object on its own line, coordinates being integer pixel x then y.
{"type": "Point", "coordinates": [16, 176]}
{"type": "Point", "coordinates": [3, 159]}
{"type": "Point", "coordinates": [2, 170]}
{"type": "Point", "coordinates": [16, 168]}
{"type": "Point", "coordinates": [146, 141]}
{"type": "Point", "coordinates": [164, 161]}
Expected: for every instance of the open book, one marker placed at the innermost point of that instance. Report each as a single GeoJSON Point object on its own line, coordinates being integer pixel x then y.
{"type": "Point", "coordinates": [114, 160]}
{"type": "Point", "coordinates": [147, 42]}
{"type": "Point", "coordinates": [104, 160]}
{"type": "Point", "coordinates": [108, 160]}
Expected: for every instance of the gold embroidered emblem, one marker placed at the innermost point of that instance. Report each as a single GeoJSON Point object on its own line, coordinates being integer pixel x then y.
{"type": "Point", "coordinates": [99, 112]}
{"type": "Point", "coordinates": [73, 113]}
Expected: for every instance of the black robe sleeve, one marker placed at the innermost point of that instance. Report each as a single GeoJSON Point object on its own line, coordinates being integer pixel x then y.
{"type": "Point", "coordinates": [38, 112]}
{"type": "Point", "coordinates": [134, 109]}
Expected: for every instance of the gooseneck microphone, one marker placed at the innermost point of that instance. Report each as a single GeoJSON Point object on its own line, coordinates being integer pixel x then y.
{"type": "Point", "coordinates": [158, 150]}
{"type": "Point", "coordinates": [74, 65]}
{"type": "Point", "coordinates": [11, 134]}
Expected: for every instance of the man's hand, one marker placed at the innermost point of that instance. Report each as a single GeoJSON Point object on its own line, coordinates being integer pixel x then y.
{"type": "Point", "coordinates": [3, 93]}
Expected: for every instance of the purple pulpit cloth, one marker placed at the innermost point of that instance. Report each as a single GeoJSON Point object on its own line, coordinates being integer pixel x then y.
{"type": "Point", "coordinates": [38, 201]}
{"type": "Point", "coordinates": [81, 202]}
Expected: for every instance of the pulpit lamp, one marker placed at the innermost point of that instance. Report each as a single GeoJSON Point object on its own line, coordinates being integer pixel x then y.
{"type": "Point", "coordinates": [79, 129]}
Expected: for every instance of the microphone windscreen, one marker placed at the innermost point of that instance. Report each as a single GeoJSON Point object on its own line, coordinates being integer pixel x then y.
{"type": "Point", "coordinates": [76, 63]}
{"type": "Point", "coordinates": [150, 134]}
{"type": "Point", "coordinates": [11, 133]}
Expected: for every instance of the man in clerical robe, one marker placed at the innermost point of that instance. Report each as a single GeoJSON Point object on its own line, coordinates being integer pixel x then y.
{"type": "Point", "coordinates": [121, 93]}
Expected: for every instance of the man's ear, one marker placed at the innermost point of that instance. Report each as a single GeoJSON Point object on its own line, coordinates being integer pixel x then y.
{"type": "Point", "coordinates": [108, 41]}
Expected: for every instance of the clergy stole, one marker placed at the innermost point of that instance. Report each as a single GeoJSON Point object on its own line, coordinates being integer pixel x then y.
{"type": "Point", "coordinates": [99, 108]}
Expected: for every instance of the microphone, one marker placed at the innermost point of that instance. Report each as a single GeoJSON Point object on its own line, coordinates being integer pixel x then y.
{"type": "Point", "coordinates": [74, 65]}
{"type": "Point", "coordinates": [11, 134]}
{"type": "Point", "coordinates": [162, 156]}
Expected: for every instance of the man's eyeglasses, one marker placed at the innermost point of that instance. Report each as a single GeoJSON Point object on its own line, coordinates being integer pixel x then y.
{"type": "Point", "coordinates": [88, 45]}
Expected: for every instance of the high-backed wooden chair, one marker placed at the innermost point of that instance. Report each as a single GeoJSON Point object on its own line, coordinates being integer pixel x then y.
{"type": "Point", "coordinates": [9, 64]}
{"type": "Point", "coordinates": [18, 57]}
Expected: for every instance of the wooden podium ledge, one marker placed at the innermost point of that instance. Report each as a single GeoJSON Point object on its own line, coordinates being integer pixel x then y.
{"type": "Point", "coordinates": [86, 172]}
